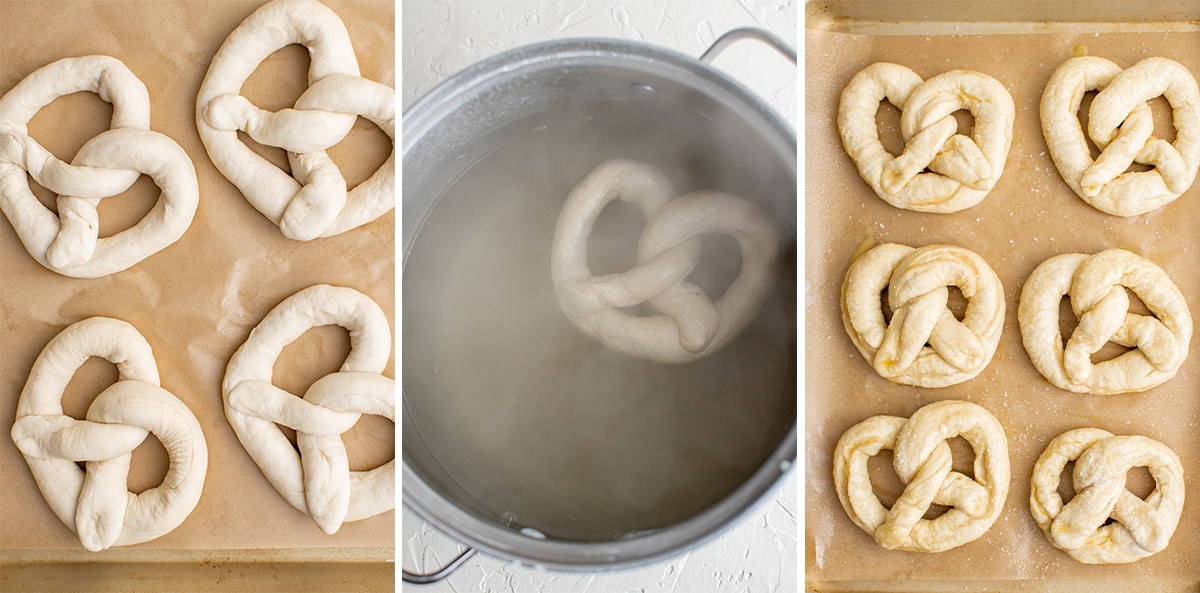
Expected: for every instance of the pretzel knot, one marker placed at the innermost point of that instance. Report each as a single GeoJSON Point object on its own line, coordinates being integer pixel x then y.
{"type": "Point", "coordinates": [68, 242]}
{"type": "Point", "coordinates": [95, 503]}
{"type": "Point", "coordinates": [313, 200]}
{"type": "Point", "coordinates": [316, 480]}
{"type": "Point", "coordinates": [924, 462]}
{"type": "Point", "coordinates": [924, 344]}
{"type": "Point", "coordinates": [1096, 286]}
{"type": "Point", "coordinates": [1120, 123]}
{"type": "Point", "coordinates": [1140, 527]}
{"type": "Point", "coordinates": [691, 326]}
{"type": "Point", "coordinates": [939, 170]}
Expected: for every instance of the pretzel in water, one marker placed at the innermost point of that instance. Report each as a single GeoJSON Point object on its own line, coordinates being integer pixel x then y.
{"type": "Point", "coordinates": [316, 480]}
{"type": "Point", "coordinates": [1096, 286]}
{"type": "Point", "coordinates": [1120, 123]}
{"type": "Point", "coordinates": [939, 170]}
{"type": "Point", "coordinates": [691, 326]}
{"type": "Point", "coordinates": [923, 460]}
{"type": "Point", "coordinates": [313, 200]}
{"type": "Point", "coordinates": [924, 344]}
{"type": "Point", "coordinates": [1139, 528]}
{"type": "Point", "coordinates": [95, 502]}
{"type": "Point", "coordinates": [68, 242]}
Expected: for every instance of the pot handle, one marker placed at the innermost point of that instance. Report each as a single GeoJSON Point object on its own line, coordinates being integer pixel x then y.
{"type": "Point", "coordinates": [441, 573]}
{"type": "Point", "coordinates": [762, 35]}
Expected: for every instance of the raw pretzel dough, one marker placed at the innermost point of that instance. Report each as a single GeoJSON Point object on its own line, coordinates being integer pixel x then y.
{"type": "Point", "coordinates": [1121, 125]}
{"type": "Point", "coordinates": [924, 345]}
{"type": "Point", "coordinates": [964, 169]}
{"type": "Point", "coordinates": [691, 326]}
{"type": "Point", "coordinates": [1096, 285]}
{"type": "Point", "coordinates": [924, 463]}
{"type": "Point", "coordinates": [95, 503]}
{"type": "Point", "coordinates": [68, 243]}
{"type": "Point", "coordinates": [1140, 527]}
{"type": "Point", "coordinates": [316, 480]}
{"type": "Point", "coordinates": [313, 201]}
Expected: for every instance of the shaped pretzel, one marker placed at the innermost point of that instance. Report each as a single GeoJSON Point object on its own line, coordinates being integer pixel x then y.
{"type": "Point", "coordinates": [313, 200]}
{"type": "Point", "coordinates": [691, 326]}
{"type": "Point", "coordinates": [924, 344]}
{"type": "Point", "coordinates": [962, 169]}
{"type": "Point", "coordinates": [96, 504]}
{"type": "Point", "coordinates": [316, 480]}
{"type": "Point", "coordinates": [924, 463]}
{"type": "Point", "coordinates": [1096, 285]}
{"type": "Point", "coordinates": [1139, 529]}
{"type": "Point", "coordinates": [1121, 125]}
{"type": "Point", "coordinates": [68, 242]}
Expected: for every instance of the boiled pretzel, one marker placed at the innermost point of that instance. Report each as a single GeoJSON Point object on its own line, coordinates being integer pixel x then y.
{"type": "Point", "coordinates": [95, 503]}
{"type": "Point", "coordinates": [961, 169]}
{"type": "Point", "coordinates": [1121, 125]}
{"type": "Point", "coordinates": [924, 463]}
{"type": "Point", "coordinates": [1140, 528]}
{"type": "Point", "coordinates": [316, 480]}
{"type": "Point", "coordinates": [68, 242]}
{"type": "Point", "coordinates": [1096, 285]}
{"type": "Point", "coordinates": [924, 344]}
{"type": "Point", "coordinates": [691, 326]}
{"type": "Point", "coordinates": [313, 200]}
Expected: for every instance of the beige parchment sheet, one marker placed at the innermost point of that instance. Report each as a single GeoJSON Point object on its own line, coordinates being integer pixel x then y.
{"type": "Point", "coordinates": [197, 300]}
{"type": "Point", "coordinates": [1028, 217]}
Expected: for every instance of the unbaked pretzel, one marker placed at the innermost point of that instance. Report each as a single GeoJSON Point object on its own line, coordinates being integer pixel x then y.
{"type": "Point", "coordinates": [962, 170]}
{"type": "Point", "coordinates": [68, 243]}
{"type": "Point", "coordinates": [1140, 528]}
{"type": "Point", "coordinates": [924, 463]}
{"type": "Point", "coordinates": [924, 344]}
{"type": "Point", "coordinates": [316, 480]}
{"type": "Point", "coordinates": [313, 200]}
{"type": "Point", "coordinates": [691, 326]}
{"type": "Point", "coordinates": [96, 504]}
{"type": "Point", "coordinates": [1096, 285]}
{"type": "Point", "coordinates": [1121, 125]}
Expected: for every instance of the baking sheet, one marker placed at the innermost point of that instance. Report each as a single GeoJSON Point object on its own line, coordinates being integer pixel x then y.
{"type": "Point", "coordinates": [197, 300]}
{"type": "Point", "coordinates": [1028, 217]}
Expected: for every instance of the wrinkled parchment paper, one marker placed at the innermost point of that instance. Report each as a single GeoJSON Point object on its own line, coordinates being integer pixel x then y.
{"type": "Point", "coordinates": [1029, 216]}
{"type": "Point", "coordinates": [197, 300]}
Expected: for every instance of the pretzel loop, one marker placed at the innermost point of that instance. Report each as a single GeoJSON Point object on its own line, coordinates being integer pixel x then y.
{"type": "Point", "coordinates": [68, 242]}
{"type": "Point", "coordinates": [95, 503]}
{"type": "Point", "coordinates": [313, 200]}
{"type": "Point", "coordinates": [317, 479]}
{"type": "Point", "coordinates": [691, 326]}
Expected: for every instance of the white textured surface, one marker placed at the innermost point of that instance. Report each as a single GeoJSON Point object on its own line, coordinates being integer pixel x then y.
{"type": "Point", "coordinates": [441, 37]}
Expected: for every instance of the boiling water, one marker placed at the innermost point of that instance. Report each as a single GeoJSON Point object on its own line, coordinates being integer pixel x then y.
{"type": "Point", "coordinates": [537, 422]}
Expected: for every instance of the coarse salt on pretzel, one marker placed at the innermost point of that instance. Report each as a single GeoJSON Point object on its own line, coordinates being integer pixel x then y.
{"type": "Point", "coordinates": [691, 326]}
{"type": "Point", "coordinates": [68, 242]}
{"type": "Point", "coordinates": [939, 170]}
{"type": "Point", "coordinates": [313, 200]}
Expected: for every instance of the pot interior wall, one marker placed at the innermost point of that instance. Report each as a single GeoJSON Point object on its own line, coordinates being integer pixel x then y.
{"type": "Point", "coordinates": [510, 411]}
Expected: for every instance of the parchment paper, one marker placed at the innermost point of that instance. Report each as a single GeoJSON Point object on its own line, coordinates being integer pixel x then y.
{"type": "Point", "coordinates": [197, 300]}
{"type": "Point", "coordinates": [1029, 216]}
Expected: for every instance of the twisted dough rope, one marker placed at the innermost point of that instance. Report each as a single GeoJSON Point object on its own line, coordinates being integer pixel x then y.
{"type": "Point", "coordinates": [1121, 125]}
{"type": "Point", "coordinates": [924, 345]}
{"type": "Point", "coordinates": [68, 243]}
{"type": "Point", "coordinates": [313, 201]}
{"type": "Point", "coordinates": [924, 463]}
{"type": "Point", "coordinates": [1140, 528]}
{"type": "Point", "coordinates": [964, 169]}
{"type": "Point", "coordinates": [691, 326]}
{"type": "Point", "coordinates": [316, 480]}
{"type": "Point", "coordinates": [95, 504]}
{"type": "Point", "coordinates": [1096, 285]}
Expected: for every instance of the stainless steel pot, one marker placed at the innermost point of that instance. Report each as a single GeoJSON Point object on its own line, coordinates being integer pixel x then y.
{"type": "Point", "coordinates": [446, 131]}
